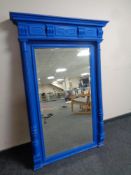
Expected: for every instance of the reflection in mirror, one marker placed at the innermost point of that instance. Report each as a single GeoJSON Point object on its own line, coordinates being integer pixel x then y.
{"type": "Point", "coordinates": [65, 97]}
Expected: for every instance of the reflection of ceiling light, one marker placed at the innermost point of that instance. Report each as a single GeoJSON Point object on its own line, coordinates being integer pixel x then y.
{"type": "Point", "coordinates": [60, 80]}
{"type": "Point", "coordinates": [39, 79]}
{"type": "Point", "coordinates": [61, 70]}
{"type": "Point", "coordinates": [54, 49]}
{"type": "Point", "coordinates": [84, 74]}
{"type": "Point", "coordinates": [50, 78]}
{"type": "Point", "coordinates": [84, 52]}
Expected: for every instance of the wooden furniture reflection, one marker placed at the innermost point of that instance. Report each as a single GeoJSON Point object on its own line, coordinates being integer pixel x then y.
{"type": "Point", "coordinates": [84, 100]}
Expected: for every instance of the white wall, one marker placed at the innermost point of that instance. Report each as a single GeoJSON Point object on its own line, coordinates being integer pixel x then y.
{"type": "Point", "coordinates": [116, 59]}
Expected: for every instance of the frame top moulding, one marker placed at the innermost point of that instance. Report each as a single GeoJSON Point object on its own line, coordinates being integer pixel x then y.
{"type": "Point", "coordinates": [34, 26]}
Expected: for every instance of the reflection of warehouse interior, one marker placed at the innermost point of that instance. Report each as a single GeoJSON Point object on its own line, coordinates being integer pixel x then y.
{"type": "Point", "coordinates": [65, 95]}
{"type": "Point", "coordinates": [70, 90]}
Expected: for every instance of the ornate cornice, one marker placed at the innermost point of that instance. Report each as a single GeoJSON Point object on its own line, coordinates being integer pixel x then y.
{"type": "Point", "coordinates": [43, 27]}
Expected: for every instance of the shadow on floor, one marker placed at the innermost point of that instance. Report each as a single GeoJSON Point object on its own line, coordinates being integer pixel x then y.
{"type": "Point", "coordinates": [20, 156]}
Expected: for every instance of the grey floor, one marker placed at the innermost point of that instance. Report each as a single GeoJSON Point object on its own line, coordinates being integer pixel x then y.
{"type": "Point", "coordinates": [114, 158]}
{"type": "Point", "coordinates": [65, 129]}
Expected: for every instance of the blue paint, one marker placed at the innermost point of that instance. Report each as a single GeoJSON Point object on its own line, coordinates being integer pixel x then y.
{"type": "Point", "coordinates": [69, 153]}
{"type": "Point", "coordinates": [93, 83]}
{"type": "Point", "coordinates": [38, 31]}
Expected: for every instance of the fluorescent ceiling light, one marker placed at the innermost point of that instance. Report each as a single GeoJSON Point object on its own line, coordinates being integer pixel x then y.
{"type": "Point", "coordinates": [61, 70]}
{"type": "Point", "coordinates": [84, 74]}
{"type": "Point", "coordinates": [39, 79]}
{"type": "Point", "coordinates": [84, 52]}
{"type": "Point", "coordinates": [50, 78]}
{"type": "Point", "coordinates": [60, 80]}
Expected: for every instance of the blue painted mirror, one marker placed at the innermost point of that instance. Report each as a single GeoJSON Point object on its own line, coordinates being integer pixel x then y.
{"type": "Point", "coordinates": [62, 75]}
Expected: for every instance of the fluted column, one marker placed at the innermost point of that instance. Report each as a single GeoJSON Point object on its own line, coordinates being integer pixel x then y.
{"type": "Point", "coordinates": [33, 114]}
{"type": "Point", "coordinates": [99, 96]}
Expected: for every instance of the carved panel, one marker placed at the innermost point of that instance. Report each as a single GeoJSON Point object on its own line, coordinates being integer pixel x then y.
{"type": "Point", "coordinates": [99, 32]}
{"type": "Point", "coordinates": [87, 32]}
{"type": "Point", "coordinates": [23, 30]}
{"type": "Point", "coordinates": [61, 31]}
{"type": "Point", "coordinates": [37, 29]}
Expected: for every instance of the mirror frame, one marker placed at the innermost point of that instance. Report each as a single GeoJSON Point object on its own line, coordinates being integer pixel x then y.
{"type": "Point", "coordinates": [39, 31]}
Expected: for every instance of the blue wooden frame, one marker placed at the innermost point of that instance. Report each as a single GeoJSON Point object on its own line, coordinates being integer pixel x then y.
{"type": "Point", "coordinates": [39, 31]}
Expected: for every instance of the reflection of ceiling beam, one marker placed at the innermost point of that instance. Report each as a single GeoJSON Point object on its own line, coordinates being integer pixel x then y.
{"type": "Point", "coordinates": [57, 87]}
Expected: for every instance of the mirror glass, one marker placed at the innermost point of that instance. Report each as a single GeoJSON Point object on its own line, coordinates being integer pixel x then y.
{"type": "Point", "coordinates": [65, 97]}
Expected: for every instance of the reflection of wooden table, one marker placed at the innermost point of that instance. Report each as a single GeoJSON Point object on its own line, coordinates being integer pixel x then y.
{"type": "Point", "coordinates": [82, 101]}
